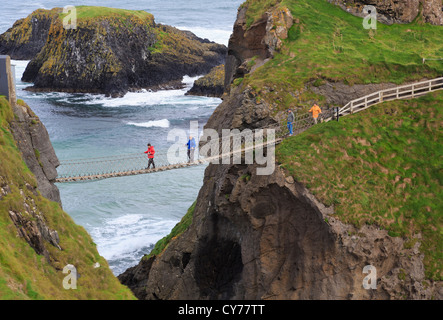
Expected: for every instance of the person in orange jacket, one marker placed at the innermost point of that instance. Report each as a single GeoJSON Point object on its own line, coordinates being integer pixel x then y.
{"type": "Point", "coordinates": [315, 112]}
{"type": "Point", "coordinates": [150, 153]}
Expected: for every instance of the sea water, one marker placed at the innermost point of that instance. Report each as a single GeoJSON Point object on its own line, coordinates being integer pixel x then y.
{"type": "Point", "coordinates": [126, 216]}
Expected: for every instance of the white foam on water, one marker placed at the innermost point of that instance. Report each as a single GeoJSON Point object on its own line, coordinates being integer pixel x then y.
{"type": "Point", "coordinates": [163, 123]}
{"type": "Point", "coordinates": [145, 97]}
{"type": "Point", "coordinates": [122, 237]}
{"type": "Point", "coordinates": [133, 99]}
{"type": "Point", "coordinates": [216, 35]}
{"type": "Point", "coordinates": [20, 66]}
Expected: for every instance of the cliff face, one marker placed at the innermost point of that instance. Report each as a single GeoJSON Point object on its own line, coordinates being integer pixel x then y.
{"type": "Point", "coordinates": [111, 52]}
{"type": "Point", "coordinates": [38, 239]}
{"type": "Point", "coordinates": [398, 11]}
{"type": "Point", "coordinates": [33, 142]}
{"type": "Point", "coordinates": [268, 237]}
{"type": "Point", "coordinates": [210, 85]}
{"type": "Point", "coordinates": [28, 36]}
{"type": "Point", "coordinates": [251, 46]}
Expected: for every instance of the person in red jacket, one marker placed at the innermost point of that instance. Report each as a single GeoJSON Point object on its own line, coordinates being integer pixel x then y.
{"type": "Point", "coordinates": [150, 153]}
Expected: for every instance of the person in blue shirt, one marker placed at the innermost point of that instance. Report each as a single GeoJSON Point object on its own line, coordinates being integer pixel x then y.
{"type": "Point", "coordinates": [291, 119]}
{"type": "Point", "coordinates": [191, 148]}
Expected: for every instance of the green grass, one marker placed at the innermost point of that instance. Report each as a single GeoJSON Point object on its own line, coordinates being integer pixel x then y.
{"type": "Point", "coordinates": [256, 9]}
{"type": "Point", "coordinates": [214, 78]}
{"type": "Point", "coordinates": [26, 275]}
{"type": "Point", "coordinates": [179, 228]}
{"type": "Point", "coordinates": [90, 12]}
{"type": "Point", "coordinates": [380, 166]}
{"type": "Point", "coordinates": [326, 43]}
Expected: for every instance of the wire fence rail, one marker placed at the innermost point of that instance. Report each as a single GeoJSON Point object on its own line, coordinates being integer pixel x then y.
{"type": "Point", "coordinates": [230, 146]}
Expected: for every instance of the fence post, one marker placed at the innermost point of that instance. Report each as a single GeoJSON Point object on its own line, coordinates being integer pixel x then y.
{"type": "Point", "coordinates": [7, 79]}
{"type": "Point", "coordinates": [352, 107]}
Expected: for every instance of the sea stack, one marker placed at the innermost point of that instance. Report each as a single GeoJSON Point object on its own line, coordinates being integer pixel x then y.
{"type": "Point", "coordinates": [109, 51]}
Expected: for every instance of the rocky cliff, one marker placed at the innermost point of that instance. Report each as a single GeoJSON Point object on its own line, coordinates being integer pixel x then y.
{"type": "Point", "coordinates": [269, 237]}
{"type": "Point", "coordinates": [25, 39]}
{"type": "Point", "coordinates": [431, 11]}
{"type": "Point", "coordinates": [38, 240]}
{"type": "Point", "coordinates": [33, 142]}
{"type": "Point", "coordinates": [110, 51]}
{"type": "Point", "coordinates": [211, 84]}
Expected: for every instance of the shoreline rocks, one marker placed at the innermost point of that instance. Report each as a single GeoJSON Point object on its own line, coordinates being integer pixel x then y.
{"type": "Point", "coordinates": [210, 85]}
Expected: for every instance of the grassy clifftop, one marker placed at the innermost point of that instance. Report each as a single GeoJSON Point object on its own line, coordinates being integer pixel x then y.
{"type": "Point", "coordinates": [328, 44]}
{"type": "Point", "coordinates": [24, 274]}
{"type": "Point", "coordinates": [91, 12]}
{"type": "Point", "coordinates": [380, 166]}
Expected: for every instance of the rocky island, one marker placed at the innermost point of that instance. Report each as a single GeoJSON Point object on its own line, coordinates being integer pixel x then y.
{"type": "Point", "coordinates": [110, 51]}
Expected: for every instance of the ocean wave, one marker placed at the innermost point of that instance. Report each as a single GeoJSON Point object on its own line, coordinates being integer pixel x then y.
{"type": "Point", "coordinates": [145, 97]}
{"type": "Point", "coordinates": [216, 35]}
{"type": "Point", "coordinates": [163, 123]}
{"type": "Point", "coordinates": [123, 236]}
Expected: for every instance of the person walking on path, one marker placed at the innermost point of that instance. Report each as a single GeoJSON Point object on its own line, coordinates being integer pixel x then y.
{"type": "Point", "coordinates": [315, 112]}
{"type": "Point", "coordinates": [150, 153]}
{"type": "Point", "coordinates": [291, 119]}
{"type": "Point", "coordinates": [191, 148]}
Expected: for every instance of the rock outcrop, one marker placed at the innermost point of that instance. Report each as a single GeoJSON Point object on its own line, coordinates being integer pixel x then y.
{"type": "Point", "coordinates": [25, 39]}
{"type": "Point", "coordinates": [210, 85]}
{"type": "Point", "coordinates": [32, 226]}
{"type": "Point", "coordinates": [251, 46]}
{"type": "Point", "coordinates": [33, 141]}
{"type": "Point", "coordinates": [390, 12]}
{"type": "Point", "coordinates": [109, 53]}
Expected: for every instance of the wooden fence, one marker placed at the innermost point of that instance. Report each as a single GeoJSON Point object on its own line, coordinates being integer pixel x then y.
{"type": "Point", "coordinates": [409, 91]}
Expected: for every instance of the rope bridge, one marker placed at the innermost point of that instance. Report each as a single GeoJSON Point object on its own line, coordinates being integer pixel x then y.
{"type": "Point", "coordinates": [113, 166]}
{"type": "Point", "coordinates": [136, 163]}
